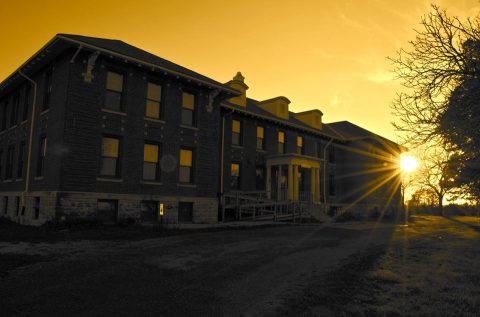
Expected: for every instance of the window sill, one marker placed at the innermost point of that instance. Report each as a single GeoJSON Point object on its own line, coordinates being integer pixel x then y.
{"type": "Point", "coordinates": [240, 147]}
{"type": "Point", "coordinates": [45, 111]}
{"type": "Point", "coordinates": [114, 112]}
{"type": "Point", "coordinates": [154, 120]}
{"type": "Point", "coordinates": [19, 180]}
{"type": "Point", "coordinates": [189, 127]}
{"type": "Point", "coordinates": [143, 182]}
{"type": "Point", "coordinates": [114, 180]}
{"type": "Point", "coordinates": [187, 185]}
{"type": "Point", "coordinates": [38, 178]}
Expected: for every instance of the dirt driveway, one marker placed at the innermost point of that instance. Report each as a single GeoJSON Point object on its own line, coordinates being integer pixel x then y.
{"type": "Point", "coordinates": [293, 270]}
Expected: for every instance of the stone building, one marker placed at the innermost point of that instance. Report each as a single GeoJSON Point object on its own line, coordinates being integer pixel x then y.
{"type": "Point", "coordinates": [98, 129]}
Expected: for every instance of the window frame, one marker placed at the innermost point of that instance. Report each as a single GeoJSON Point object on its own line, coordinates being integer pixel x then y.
{"type": "Point", "coordinates": [41, 155]}
{"type": "Point", "coordinates": [118, 161]}
{"type": "Point", "coordinates": [160, 102]}
{"type": "Point", "coordinates": [237, 136]}
{"type": "Point", "coordinates": [300, 148]}
{"type": "Point", "coordinates": [191, 168]}
{"type": "Point", "coordinates": [158, 171]}
{"type": "Point", "coordinates": [238, 178]}
{"type": "Point", "coordinates": [185, 109]}
{"type": "Point", "coordinates": [280, 144]}
{"type": "Point", "coordinates": [47, 89]}
{"type": "Point", "coordinates": [120, 93]}
{"type": "Point", "coordinates": [10, 161]}
{"type": "Point", "coordinates": [261, 139]}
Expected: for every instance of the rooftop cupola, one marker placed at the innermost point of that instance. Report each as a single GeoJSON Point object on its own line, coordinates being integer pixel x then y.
{"type": "Point", "coordinates": [238, 83]}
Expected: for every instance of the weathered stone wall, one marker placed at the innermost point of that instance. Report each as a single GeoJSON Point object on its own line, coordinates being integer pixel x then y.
{"type": "Point", "coordinates": [80, 206]}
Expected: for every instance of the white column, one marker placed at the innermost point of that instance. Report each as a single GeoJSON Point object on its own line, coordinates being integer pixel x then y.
{"type": "Point", "coordinates": [290, 182]}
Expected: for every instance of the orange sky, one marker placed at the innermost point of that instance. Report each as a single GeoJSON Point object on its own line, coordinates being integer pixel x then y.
{"type": "Point", "coordinates": [320, 54]}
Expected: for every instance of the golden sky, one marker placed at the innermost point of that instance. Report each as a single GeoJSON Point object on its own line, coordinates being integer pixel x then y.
{"type": "Point", "coordinates": [329, 55]}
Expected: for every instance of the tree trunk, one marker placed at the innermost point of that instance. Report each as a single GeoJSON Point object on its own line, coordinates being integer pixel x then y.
{"type": "Point", "coordinates": [440, 204]}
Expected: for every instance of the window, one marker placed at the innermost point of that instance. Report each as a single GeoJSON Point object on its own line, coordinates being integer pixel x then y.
{"type": "Point", "coordinates": [47, 92]}
{"type": "Point", "coordinates": [21, 160]}
{"type": "Point", "coordinates": [299, 144]}
{"type": "Point", "coordinates": [1, 164]}
{"type": "Point", "coordinates": [331, 154]}
{"type": "Point", "coordinates": [235, 176]}
{"type": "Point", "coordinates": [154, 96]}
{"type": "Point", "coordinates": [260, 138]}
{"type": "Point", "coordinates": [186, 166]}
{"type": "Point", "coordinates": [281, 142]}
{"type": "Point", "coordinates": [42, 153]}
{"type": "Point", "coordinates": [9, 168]}
{"type": "Point", "coordinates": [331, 184]}
{"type": "Point", "coordinates": [114, 91]}
{"type": "Point", "coordinates": [26, 102]}
{"type": "Point", "coordinates": [109, 164]}
{"type": "Point", "coordinates": [5, 205]}
{"type": "Point", "coordinates": [107, 210]}
{"type": "Point", "coordinates": [14, 111]}
{"type": "Point", "coordinates": [149, 211]}
{"type": "Point", "coordinates": [320, 150]}
{"type": "Point", "coordinates": [236, 132]}
{"type": "Point", "coordinates": [188, 109]}
{"type": "Point", "coordinates": [4, 115]}
{"type": "Point", "coordinates": [36, 207]}
{"type": "Point", "coordinates": [17, 205]}
{"type": "Point", "coordinates": [260, 178]}
{"type": "Point", "coordinates": [151, 169]}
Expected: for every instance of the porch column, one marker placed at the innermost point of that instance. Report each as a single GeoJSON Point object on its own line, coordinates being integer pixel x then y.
{"type": "Point", "coordinates": [268, 182]}
{"type": "Point", "coordinates": [279, 183]}
{"type": "Point", "coordinates": [295, 182]}
{"type": "Point", "coordinates": [290, 182]}
{"type": "Point", "coordinates": [313, 184]}
{"type": "Point", "coordinates": [317, 182]}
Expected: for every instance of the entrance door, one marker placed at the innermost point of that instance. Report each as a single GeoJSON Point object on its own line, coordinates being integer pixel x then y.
{"type": "Point", "coordinates": [185, 212]}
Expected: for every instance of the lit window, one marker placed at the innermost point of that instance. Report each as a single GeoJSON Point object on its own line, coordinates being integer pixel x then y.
{"type": "Point", "coordinates": [260, 138]}
{"type": "Point", "coordinates": [150, 162]}
{"type": "Point", "coordinates": [114, 90]}
{"type": "Point", "coordinates": [281, 142]}
{"type": "Point", "coordinates": [236, 132]}
{"type": "Point", "coordinates": [235, 176]}
{"type": "Point", "coordinates": [186, 166]}
{"type": "Point", "coordinates": [188, 109]}
{"type": "Point", "coordinates": [154, 96]}
{"type": "Point", "coordinates": [109, 164]}
{"type": "Point", "coordinates": [299, 145]}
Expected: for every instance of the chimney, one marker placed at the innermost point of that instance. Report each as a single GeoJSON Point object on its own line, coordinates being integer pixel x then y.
{"type": "Point", "coordinates": [238, 83]}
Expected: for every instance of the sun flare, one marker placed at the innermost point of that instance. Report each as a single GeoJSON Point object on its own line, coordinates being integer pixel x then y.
{"type": "Point", "coordinates": [408, 163]}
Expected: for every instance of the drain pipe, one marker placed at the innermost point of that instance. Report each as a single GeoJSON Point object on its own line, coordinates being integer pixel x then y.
{"type": "Point", "coordinates": [30, 138]}
{"type": "Point", "coordinates": [222, 199]}
{"type": "Point", "coordinates": [325, 175]}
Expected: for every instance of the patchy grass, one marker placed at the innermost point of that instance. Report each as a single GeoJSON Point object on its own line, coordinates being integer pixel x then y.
{"type": "Point", "coordinates": [430, 268]}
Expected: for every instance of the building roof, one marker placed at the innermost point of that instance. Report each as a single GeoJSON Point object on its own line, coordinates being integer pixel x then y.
{"type": "Point", "coordinates": [126, 49]}
{"type": "Point", "coordinates": [114, 48]}
{"type": "Point", "coordinates": [253, 108]}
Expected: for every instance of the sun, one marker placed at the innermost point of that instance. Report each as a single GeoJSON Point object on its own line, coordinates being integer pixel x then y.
{"type": "Point", "coordinates": [408, 163]}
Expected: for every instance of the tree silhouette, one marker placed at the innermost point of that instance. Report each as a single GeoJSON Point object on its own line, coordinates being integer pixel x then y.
{"type": "Point", "coordinates": [440, 60]}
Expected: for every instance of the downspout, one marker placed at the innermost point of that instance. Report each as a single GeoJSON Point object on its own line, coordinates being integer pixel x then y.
{"type": "Point", "coordinates": [325, 175]}
{"type": "Point", "coordinates": [30, 138]}
{"type": "Point", "coordinates": [222, 151]}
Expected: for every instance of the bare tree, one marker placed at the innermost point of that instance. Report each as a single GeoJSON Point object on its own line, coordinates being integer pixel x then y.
{"type": "Point", "coordinates": [437, 175]}
{"type": "Point", "coordinates": [436, 64]}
